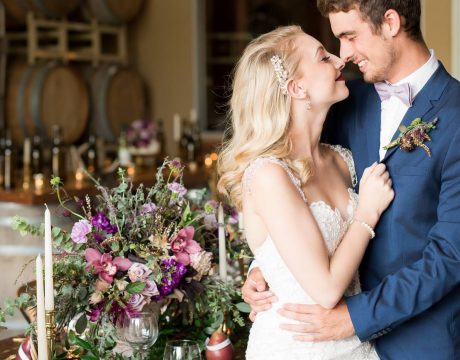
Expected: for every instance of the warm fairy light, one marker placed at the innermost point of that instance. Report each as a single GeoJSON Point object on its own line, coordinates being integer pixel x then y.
{"type": "Point", "coordinates": [208, 161]}
{"type": "Point", "coordinates": [214, 157]}
{"type": "Point", "coordinates": [79, 176]}
{"type": "Point", "coordinates": [131, 171]}
{"type": "Point", "coordinates": [39, 183]}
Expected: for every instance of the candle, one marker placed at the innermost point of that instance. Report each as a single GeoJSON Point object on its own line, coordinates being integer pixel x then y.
{"type": "Point", "coordinates": [193, 116]}
{"type": "Point", "coordinates": [222, 249]}
{"type": "Point", "coordinates": [41, 325]}
{"type": "Point", "coordinates": [49, 287]}
{"type": "Point", "coordinates": [240, 221]}
{"type": "Point", "coordinates": [26, 155]}
{"type": "Point", "coordinates": [177, 132]}
{"type": "Point", "coordinates": [39, 183]}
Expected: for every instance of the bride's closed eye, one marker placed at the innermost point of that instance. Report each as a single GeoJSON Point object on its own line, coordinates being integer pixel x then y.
{"type": "Point", "coordinates": [326, 58]}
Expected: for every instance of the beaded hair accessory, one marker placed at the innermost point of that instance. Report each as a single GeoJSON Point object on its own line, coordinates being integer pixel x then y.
{"type": "Point", "coordinates": [280, 72]}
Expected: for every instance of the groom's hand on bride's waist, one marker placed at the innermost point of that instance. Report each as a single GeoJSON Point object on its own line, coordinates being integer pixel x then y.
{"type": "Point", "coordinates": [318, 323]}
{"type": "Point", "coordinates": [256, 293]}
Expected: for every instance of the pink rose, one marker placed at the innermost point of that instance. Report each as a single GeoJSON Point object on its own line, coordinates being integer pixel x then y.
{"type": "Point", "coordinates": [150, 289]}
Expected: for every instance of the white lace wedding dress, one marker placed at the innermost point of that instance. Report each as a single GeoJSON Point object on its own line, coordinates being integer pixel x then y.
{"type": "Point", "coordinates": [266, 340]}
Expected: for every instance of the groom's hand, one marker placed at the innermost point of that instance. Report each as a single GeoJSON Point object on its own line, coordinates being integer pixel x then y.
{"type": "Point", "coordinates": [318, 323]}
{"type": "Point", "coordinates": [255, 292]}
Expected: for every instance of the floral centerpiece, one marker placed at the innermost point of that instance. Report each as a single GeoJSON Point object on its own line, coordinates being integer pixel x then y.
{"type": "Point", "coordinates": [141, 136]}
{"type": "Point", "coordinates": [135, 249]}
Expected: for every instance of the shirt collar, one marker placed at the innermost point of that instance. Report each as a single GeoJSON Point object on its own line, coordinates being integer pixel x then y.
{"type": "Point", "coordinates": [420, 77]}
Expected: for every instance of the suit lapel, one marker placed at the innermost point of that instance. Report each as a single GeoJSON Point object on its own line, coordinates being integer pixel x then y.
{"type": "Point", "coordinates": [371, 117]}
{"type": "Point", "coordinates": [423, 103]}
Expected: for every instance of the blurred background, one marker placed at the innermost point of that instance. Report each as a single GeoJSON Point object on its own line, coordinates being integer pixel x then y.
{"type": "Point", "coordinates": [87, 86]}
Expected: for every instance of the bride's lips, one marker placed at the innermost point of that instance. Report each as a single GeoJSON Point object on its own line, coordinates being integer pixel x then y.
{"type": "Point", "coordinates": [340, 78]}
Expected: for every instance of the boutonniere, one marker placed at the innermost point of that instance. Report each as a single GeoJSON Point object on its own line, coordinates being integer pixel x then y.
{"type": "Point", "coordinates": [414, 135]}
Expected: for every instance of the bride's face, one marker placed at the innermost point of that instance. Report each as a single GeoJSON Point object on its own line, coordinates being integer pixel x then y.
{"type": "Point", "coordinates": [320, 72]}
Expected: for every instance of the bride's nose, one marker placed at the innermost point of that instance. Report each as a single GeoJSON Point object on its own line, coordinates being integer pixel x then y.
{"type": "Point", "coordinates": [338, 63]}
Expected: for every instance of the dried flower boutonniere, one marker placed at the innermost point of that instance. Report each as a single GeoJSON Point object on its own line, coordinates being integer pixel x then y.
{"type": "Point", "coordinates": [414, 136]}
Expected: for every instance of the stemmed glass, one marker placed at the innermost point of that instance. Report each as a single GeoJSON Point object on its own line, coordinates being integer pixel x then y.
{"type": "Point", "coordinates": [141, 331]}
{"type": "Point", "coordinates": [182, 350]}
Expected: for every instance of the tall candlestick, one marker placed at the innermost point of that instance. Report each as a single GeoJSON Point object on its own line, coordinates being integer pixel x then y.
{"type": "Point", "coordinates": [41, 327]}
{"type": "Point", "coordinates": [240, 221]}
{"type": "Point", "coordinates": [177, 132]}
{"type": "Point", "coordinates": [26, 155]}
{"type": "Point", "coordinates": [222, 248]}
{"type": "Point", "coordinates": [193, 116]}
{"type": "Point", "coordinates": [49, 286]}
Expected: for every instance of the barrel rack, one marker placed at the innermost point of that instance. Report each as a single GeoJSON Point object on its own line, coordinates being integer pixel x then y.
{"type": "Point", "coordinates": [69, 41]}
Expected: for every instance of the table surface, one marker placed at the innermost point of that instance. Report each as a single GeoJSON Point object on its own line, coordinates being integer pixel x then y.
{"type": "Point", "coordinates": [9, 347]}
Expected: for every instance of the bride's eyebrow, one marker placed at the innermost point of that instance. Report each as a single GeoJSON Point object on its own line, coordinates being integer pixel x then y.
{"type": "Point", "coordinates": [319, 50]}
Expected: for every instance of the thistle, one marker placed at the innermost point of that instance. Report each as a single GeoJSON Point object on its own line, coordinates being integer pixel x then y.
{"type": "Point", "coordinates": [414, 135]}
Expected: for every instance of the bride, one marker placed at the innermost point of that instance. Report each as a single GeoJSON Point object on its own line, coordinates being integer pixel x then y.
{"type": "Point", "coordinates": [304, 223]}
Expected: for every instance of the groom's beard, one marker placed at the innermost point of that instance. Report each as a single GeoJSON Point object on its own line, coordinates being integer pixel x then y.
{"type": "Point", "coordinates": [383, 66]}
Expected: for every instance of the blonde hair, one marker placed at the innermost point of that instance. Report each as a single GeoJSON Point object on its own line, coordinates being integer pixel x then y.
{"type": "Point", "coordinates": [259, 111]}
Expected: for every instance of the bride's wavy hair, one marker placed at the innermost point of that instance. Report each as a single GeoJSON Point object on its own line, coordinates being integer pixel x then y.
{"type": "Point", "coordinates": [260, 111]}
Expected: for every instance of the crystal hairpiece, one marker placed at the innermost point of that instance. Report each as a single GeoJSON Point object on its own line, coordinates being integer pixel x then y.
{"type": "Point", "coordinates": [280, 72]}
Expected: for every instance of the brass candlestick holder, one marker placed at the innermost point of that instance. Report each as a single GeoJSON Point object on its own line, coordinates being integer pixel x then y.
{"type": "Point", "coordinates": [50, 321]}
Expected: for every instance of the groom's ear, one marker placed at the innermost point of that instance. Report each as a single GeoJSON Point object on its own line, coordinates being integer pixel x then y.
{"type": "Point", "coordinates": [391, 25]}
{"type": "Point", "coordinates": [296, 90]}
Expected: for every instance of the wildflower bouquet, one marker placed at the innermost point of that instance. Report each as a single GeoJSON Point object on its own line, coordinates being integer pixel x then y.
{"type": "Point", "coordinates": [131, 249]}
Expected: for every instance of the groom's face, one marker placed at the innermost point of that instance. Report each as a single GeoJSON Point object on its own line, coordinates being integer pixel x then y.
{"type": "Point", "coordinates": [372, 52]}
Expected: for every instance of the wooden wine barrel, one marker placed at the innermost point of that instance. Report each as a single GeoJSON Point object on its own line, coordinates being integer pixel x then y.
{"type": "Point", "coordinates": [114, 11]}
{"type": "Point", "coordinates": [16, 10]}
{"type": "Point", "coordinates": [117, 99]}
{"type": "Point", "coordinates": [41, 96]}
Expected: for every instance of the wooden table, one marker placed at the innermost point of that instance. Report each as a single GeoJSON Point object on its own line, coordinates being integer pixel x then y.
{"type": "Point", "coordinates": [9, 347]}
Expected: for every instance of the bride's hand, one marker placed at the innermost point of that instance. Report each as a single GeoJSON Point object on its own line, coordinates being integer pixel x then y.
{"type": "Point", "coordinates": [256, 294]}
{"type": "Point", "coordinates": [375, 193]}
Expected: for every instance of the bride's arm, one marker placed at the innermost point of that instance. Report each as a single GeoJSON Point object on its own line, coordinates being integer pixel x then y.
{"type": "Point", "coordinates": [297, 236]}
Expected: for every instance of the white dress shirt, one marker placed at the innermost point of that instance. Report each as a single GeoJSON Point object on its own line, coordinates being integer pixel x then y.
{"type": "Point", "coordinates": [393, 109]}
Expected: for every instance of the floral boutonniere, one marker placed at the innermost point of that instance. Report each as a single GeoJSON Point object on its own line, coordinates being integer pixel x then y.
{"type": "Point", "coordinates": [414, 135]}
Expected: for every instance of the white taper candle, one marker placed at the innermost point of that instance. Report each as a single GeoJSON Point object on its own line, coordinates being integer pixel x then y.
{"type": "Point", "coordinates": [222, 248]}
{"type": "Point", "coordinates": [41, 323]}
{"type": "Point", "coordinates": [49, 284]}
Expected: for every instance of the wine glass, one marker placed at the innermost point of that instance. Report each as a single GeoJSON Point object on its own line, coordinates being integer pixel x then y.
{"type": "Point", "coordinates": [182, 350]}
{"type": "Point", "coordinates": [141, 331]}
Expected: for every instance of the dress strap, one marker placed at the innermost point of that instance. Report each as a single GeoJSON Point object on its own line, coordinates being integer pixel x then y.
{"type": "Point", "coordinates": [348, 158]}
{"type": "Point", "coordinates": [257, 163]}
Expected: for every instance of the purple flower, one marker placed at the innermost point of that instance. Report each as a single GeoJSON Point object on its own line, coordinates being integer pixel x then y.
{"type": "Point", "coordinates": [173, 271]}
{"type": "Point", "coordinates": [210, 221]}
{"type": "Point", "coordinates": [150, 289]}
{"type": "Point", "coordinates": [138, 272]}
{"type": "Point", "coordinates": [177, 188]}
{"type": "Point", "coordinates": [148, 208]}
{"type": "Point", "coordinates": [101, 222]}
{"type": "Point", "coordinates": [96, 312]}
{"type": "Point", "coordinates": [79, 231]}
{"type": "Point", "coordinates": [104, 265]}
{"type": "Point", "coordinates": [137, 302]}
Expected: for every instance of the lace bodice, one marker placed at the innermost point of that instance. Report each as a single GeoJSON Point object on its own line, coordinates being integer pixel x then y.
{"type": "Point", "coordinates": [281, 281]}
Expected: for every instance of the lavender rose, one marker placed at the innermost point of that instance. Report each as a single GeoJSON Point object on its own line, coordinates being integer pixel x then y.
{"type": "Point", "coordinates": [138, 272]}
{"type": "Point", "coordinates": [79, 231]}
{"type": "Point", "coordinates": [150, 289]}
{"type": "Point", "coordinates": [137, 302]}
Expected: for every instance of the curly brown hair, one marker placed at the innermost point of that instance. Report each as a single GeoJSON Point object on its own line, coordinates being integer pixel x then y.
{"type": "Point", "coordinates": [373, 11]}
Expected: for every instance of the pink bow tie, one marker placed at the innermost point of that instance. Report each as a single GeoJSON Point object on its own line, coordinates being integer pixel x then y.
{"type": "Point", "coordinates": [402, 91]}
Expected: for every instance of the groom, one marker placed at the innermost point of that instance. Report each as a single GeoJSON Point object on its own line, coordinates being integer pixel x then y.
{"type": "Point", "coordinates": [410, 304]}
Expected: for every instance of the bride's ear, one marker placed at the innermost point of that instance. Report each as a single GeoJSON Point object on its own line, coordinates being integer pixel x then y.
{"type": "Point", "coordinates": [296, 90]}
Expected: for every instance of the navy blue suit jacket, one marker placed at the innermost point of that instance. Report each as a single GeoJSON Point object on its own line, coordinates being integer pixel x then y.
{"type": "Point", "coordinates": [410, 304]}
